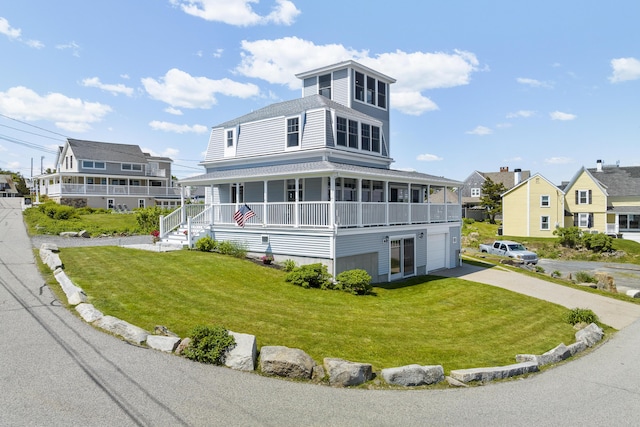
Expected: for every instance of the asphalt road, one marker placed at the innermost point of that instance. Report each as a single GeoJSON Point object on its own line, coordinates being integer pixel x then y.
{"type": "Point", "coordinates": [56, 370]}
{"type": "Point", "coordinates": [626, 276]}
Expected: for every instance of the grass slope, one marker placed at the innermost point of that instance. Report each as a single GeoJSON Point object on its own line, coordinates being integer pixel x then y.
{"type": "Point", "coordinates": [427, 320]}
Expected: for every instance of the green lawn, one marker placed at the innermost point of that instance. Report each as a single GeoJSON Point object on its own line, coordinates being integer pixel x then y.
{"type": "Point", "coordinates": [96, 224]}
{"type": "Point", "coordinates": [427, 320]}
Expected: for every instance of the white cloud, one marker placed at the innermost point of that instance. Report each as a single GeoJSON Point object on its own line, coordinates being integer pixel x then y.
{"type": "Point", "coordinates": [277, 61]}
{"type": "Point", "coordinates": [559, 115]}
{"type": "Point", "coordinates": [558, 160]}
{"type": "Point", "coordinates": [176, 128]}
{"type": "Point", "coordinates": [480, 130]}
{"type": "Point", "coordinates": [503, 125]}
{"type": "Point", "coordinates": [2, 148]}
{"type": "Point", "coordinates": [428, 157]}
{"type": "Point", "coordinates": [179, 89]}
{"type": "Point", "coordinates": [239, 12]}
{"type": "Point", "coordinates": [125, 76]}
{"type": "Point", "coordinates": [533, 82]}
{"type": "Point", "coordinates": [625, 69]}
{"type": "Point", "coordinates": [16, 33]}
{"type": "Point", "coordinates": [521, 113]}
{"type": "Point", "coordinates": [168, 152]}
{"type": "Point", "coordinates": [514, 159]}
{"type": "Point", "coordinates": [218, 53]}
{"type": "Point", "coordinates": [7, 30]}
{"type": "Point", "coordinates": [174, 111]}
{"type": "Point", "coordinates": [73, 46]}
{"type": "Point", "coordinates": [115, 89]}
{"type": "Point", "coordinates": [71, 114]}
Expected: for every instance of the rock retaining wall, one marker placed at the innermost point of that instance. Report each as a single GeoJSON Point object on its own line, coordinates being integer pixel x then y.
{"type": "Point", "coordinates": [295, 363]}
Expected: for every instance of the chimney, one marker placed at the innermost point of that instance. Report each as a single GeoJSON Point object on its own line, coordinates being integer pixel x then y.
{"type": "Point", "coordinates": [517, 176]}
{"type": "Point", "coordinates": [598, 165]}
{"type": "Point", "coordinates": [504, 168]}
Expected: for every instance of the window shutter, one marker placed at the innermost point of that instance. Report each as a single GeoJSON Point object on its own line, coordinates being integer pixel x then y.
{"type": "Point", "coordinates": [575, 220]}
{"type": "Point", "coordinates": [589, 196]}
{"type": "Point", "coordinates": [577, 197]}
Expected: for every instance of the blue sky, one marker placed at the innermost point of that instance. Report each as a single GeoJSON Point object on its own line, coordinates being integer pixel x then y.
{"type": "Point", "coordinates": [546, 86]}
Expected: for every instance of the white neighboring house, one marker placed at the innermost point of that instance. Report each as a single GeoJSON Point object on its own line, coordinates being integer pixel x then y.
{"type": "Point", "coordinates": [315, 173]}
{"type": "Point", "coordinates": [108, 175]}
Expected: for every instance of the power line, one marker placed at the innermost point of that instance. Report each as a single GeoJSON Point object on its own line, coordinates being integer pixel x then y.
{"type": "Point", "coordinates": [34, 126]}
{"type": "Point", "coordinates": [31, 133]}
{"type": "Point", "coordinates": [28, 144]}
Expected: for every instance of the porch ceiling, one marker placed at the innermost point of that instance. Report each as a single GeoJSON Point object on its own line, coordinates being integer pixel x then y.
{"type": "Point", "coordinates": [315, 169]}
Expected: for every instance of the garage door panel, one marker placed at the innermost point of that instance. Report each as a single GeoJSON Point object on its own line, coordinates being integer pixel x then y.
{"type": "Point", "coordinates": [436, 254]}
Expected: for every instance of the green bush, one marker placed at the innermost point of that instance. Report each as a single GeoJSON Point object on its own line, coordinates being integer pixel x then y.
{"type": "Point", "coordinates": [311, 276]}
{"type": "Point", "coordinates": [468, 221]}
{"type": "Point", "coordinates": [570, 236]}
{"type": "Point", "coordinates": [205, 244]}
{"type": "Point", "coordinates": [539, 269]}
{"type": "Point", "coordinates": [289, 265]}
{"type": "Point", "coordinates": [209, 344]}
{"type": "Point", "coordinates": [556, 273]}
{"type": "Point", "coordinates": [56, 211]}
{"type": "Point", "coordinates": [234, 249]}
{"type": "Point", "coordinates": [357, 282]}
{"type": "Point", "coordinates": [581, 315]}
{"type": "Point", "coordinates": [148, 219]}
{"type": "Point", "coordinates": [598, 242]}
{"type": "Point", "coordinates": [584, 277]}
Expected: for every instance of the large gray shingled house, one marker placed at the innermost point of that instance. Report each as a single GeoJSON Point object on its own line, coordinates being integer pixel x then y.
{"type": "Point", "coordinates": [315, 173]}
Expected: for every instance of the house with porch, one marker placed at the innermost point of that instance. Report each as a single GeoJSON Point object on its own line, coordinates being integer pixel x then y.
{"type": "Point", "coordinates": [8, 186]}
{"type": "Point", "coordinates": [108, 175]}
{"type": "Point", "coordinates": [315, 174]}
{"type": "Point", "coordinates": [605, 199]}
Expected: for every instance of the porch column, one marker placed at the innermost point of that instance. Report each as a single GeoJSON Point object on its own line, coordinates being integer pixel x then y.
{"type": "Point", "coordinates": [265, 213]}
{"type": "Point", "coordinates": [296, 214]}
{"type": "Point", "coordinates": [386, 200]}
{"type": "Point", "coordinates": [332, 201]}
{"type": "Point", "coordinates": [184, 213]}
{"type": "Point", "coordinates": [359, 184]}
{"type": "Point", "coordinates": [429, 203]}
{"type": "Point", "coordinates": [409, 201]}
{"type": "Point", "coordinates": [237, 195]}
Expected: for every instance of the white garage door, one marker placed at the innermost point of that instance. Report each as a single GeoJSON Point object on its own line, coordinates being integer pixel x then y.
{"type": "Point", "coordinates": [436, 251]}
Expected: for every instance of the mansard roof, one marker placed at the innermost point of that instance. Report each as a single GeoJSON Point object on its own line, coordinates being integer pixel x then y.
{"type": "Point", "coordinates": [295, 107]}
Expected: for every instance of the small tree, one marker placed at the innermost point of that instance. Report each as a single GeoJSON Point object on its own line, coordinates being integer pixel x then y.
{"type": "Point", "coordinates": [570, 237]}
{"type": "Point", "coordinates": [491, 198]}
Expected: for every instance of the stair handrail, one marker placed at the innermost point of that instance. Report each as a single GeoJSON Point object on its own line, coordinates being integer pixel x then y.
{"type": "Point", "coordinates": [170, 222]}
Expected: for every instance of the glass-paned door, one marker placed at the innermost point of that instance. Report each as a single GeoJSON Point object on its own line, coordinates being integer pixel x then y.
{"type": "Point", "coordinates": [402, 257]}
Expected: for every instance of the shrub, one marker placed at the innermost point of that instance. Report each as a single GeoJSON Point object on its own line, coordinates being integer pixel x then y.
{"type": "Point", "coordinates": [205, 244]}
{"type": "Point", "coordinates": [598, 242]}
{"type": "Point", "coordinates": [357, 281]}
{"type": "Point", "coordinates": [289, 265]}
{"type": "Point", "coordinates": [209, 344]}
{"type": "Point", "coordinates": [556, 273]}
{"type": "Point", "coordinates": [581, 315]}
{"type": "Point", "coordinates": [468, 221]}
{"type": "Point", "coordinates": [584, 277]}
{"type": "Point", "coordinates": [539, 269]}
{"type": "Point", "coordinates": [234, 249]}
{"type": "Point", "coordinates": [56, 211]}
{"type": "Point", "coordinates": [570, 236]}
{"type": "Point", "coordinates": [311, 276]}
{"type": "Point", "coordinates": [148, 219]}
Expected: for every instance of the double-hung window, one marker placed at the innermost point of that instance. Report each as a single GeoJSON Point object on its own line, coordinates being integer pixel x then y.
{"type": "Point", "coordinates": [353, 134]}
{"type": "Point", "coordinates": [583, 197]}
{"type": "Point", "coordinates": [230, 138]}
{"type": "Point", "coordinates": [341, 128]}
{"type": "Point", "coordinates": [375, 139]}
{"type": "Point", "coordinates": [324, 85]}
{"type": "Point", "coordinates": [359, 86]}
{"type": "Point", "coordinates": [544, 222]}
{"type": "Point", "coordinates": [293, 132]}
{"type": "Point", "coordinates": [365, 137]}
{"type": "Point", "coordinates": [544, 201]}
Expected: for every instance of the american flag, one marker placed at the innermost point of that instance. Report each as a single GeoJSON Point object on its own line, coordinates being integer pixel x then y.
{"type": "Point", "coordinates": [243, 214]}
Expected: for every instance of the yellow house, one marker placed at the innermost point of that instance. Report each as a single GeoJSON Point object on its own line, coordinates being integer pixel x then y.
{"type": "Point", "coordinates": [605, 199]}
{"type": "Point", "coordinates": [533, 208]}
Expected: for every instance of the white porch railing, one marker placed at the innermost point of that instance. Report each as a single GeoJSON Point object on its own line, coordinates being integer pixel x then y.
{"type": "Point", "coordinates": [315, 214]}
{"type": "Point", "coordinates": [108, 190]}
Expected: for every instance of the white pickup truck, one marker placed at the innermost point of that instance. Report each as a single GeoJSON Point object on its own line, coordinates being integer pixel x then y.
{"type": "Point", "coordinates": [510, 249]}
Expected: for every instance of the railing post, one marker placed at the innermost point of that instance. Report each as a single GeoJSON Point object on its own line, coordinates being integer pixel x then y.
{"type": "Point", "coordinates": [161, 221]}
{"type": "Point", "coordinates": [189, 243]}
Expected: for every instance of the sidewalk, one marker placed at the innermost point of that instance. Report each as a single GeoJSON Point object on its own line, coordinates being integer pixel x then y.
{"type": "Point", "coordinates": [615, 313]}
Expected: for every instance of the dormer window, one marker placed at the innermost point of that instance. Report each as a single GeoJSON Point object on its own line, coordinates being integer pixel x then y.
{"type": "Point", "coordinates": [293, 132]}
{"type": "Point", "coordinates": [371, 90]}
{"type": "Point", "coordinates": [382, 94]}
{"type": "Point", "coordinates": [324, 85]}
{"type": "Point", "coordinates": [230, 138]}
{"type": "Point", "coordinates": [359, 86]}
